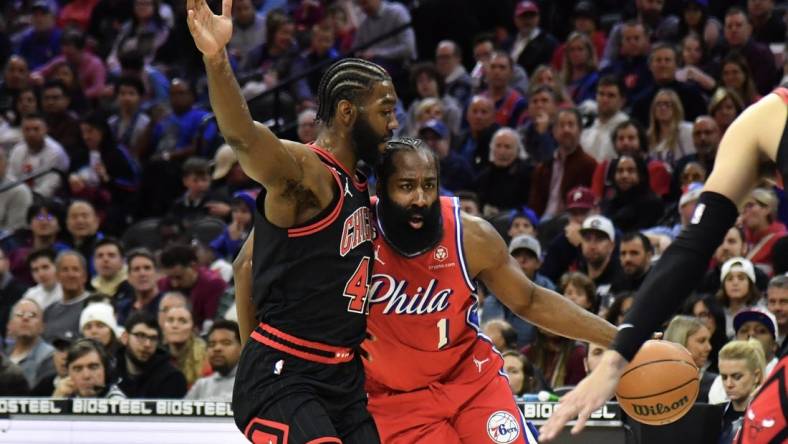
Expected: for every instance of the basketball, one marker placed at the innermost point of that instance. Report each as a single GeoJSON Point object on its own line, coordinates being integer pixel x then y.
{"type": "Point", "coordinates": [660, 384]}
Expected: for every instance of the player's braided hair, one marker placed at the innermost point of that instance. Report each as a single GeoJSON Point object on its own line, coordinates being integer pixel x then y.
{"type": "Point", "coordinates": [386, 167]}
{"type": "Point", "coordinates": [347, 79]}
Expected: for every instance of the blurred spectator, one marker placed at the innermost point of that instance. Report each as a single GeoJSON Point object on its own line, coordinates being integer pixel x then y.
{"type": "Point", "coordinates": [380, 18]}
{"type": "Point", "coordinates": [537, 129]}
{"type": "Point", "coordinates": [696, 19]}
{"type": "Point", "coordinates": [531, 46]}
{"type": "Point", "coordinates": [663, 63]}
{"type": "Point", "coordinates": [593, 356]}
{"type": "Point", "coordinates": [738, 37]}
{"type": "Point", "coordinates": [130, 125]}
{"type": "Point", "coordinates": [67, 75]}
{"type": "Point", "coordinates": [545, 75]}
{"type": "Point", "coordinates": [97, 322]}
{"type": "Point", "coordinates": [737, 291]}
{"type": "Point", "coordinates": [48, 290]}
{"type": "Point", "coordinates": [601, 261]}
{"type": "Point", "coordinates": [474, 143]}
{"type": "Point", "coordinates": [142, 278]}
{"type": "Point", "coordinates": [342, 16]}
{"type": "Point", "coordinates": [696, 69]}
{"type": "Point", "coordinates": [483, 48]}
{"type": "Point", "coordinates": [585, 19]}
{"type": "Point", "coordinates": [29, 350]}
{"type": "Point", "coordinates": [596, 139]}
{"type": "Point", "coordinates": [321, 51]}
{"type": "Point", "coordinates": [664, 27]}
{"type": "Point", "coordinates": [509, 103]}
{"type": "Point", "coordinates": [242, 209]}
{"type": "Point", "coordinates": [777, 303]}
{"type": "Point", "coordinates": [89, 373]}
{"type": "Point", "coordinates": [563, 250]}
{"type": "Point", "coordinates": [224, 352]}
{"type": "Point", "coordinates": [46, 386]}
{"type": "Point", "coordinates": [669, 135]}
{"type": "Point", "coordinates": [207, 257]}
{"type": "Point", "coordinates": [203, 287]}
{"type": "Point", "coordinates": [580, 289]}
{"type": "Point", "coordinates": [24, 102]}
{"type": "Point", "coordinates": [38, 153]}
{"type": "Point", "coordinates": [706, 139]}
{"type": "Point", "coordinates": [560, 359]}
{"type": "Point", "coordinates": [188, 350]}
{"type": "Point", "coordinates": [691, 333]}
{"type": "Point", "coordinates": [157, 86]}
{"type": "Point", "coordinates": [622, 303]}
{"type": "Point", "coordinates": [448, 61]}
{"type": "Point", "coordinates": [759, 324]}
{"type": "Point", "coordinates": [501, 334]}
{"type": "Point", "coordinates": [192, 205]}
{"type": "Point", "coordinates": [170, 300]}
{"type": "Point", "coordinates": [635, 252]}
{"type": "Point", "coordinates": [455, 172]}
{"type": "Point", "coordinates": [41, 42]}
{"type": "Point", "coordinates": [62, 124]}
{"type": "Point", "coordinates": [144, 369]}
{"type": "Point", "coordinates": [632, 205]}
{"type": "Point", "coordinates": [706, 308]}
{"type": "Point", "coordinates": [522, 221]}
{"type": "Point", "coordinates": [145, 31]}
{"type": "Point", "coordinates": [44, 222]}
{"type": "Point", "coordinates": [105, 22]}
{"type": "Point", "coordinates": [469, 203]}
{"type": "Point", "coordinates": [630, 64]}
{"type": "Point", "coordinates": [14, 202]}
{"type": "Point", "coordinates": [16, 77]}
{"type": "Point", "coordinates": [741, 373]}
{"type": "Point", "coordinates": [307, 125]}
{"type": "Point", "coordinates": [761, 227]}
{"type": "Point", "coordinates": [63, 315]}
{"type": "Point", "coordinates": [174, 136]}
{"type": "Point", "coordinates": [110, 278]}
{"type": "Point", "coordinates": [90, 69]}
{"type": "Point", "coordinates": [767, 25]}
{"type": "Point", "coordinates": [736, 76]}
{"type": "Point", "coordinates": [76, 14]}
{"type": "Point", "coordinates": [579, 70]}
{"type": "Point", "coordinates": [523, 377]}
{"type": "Point", "coordinates": [11, 291]}
{"type": "Point", "coordinates": [249, 30]}
{"type": "Point", "coordinates": [504, 183]}
{"type": "Point", "coordinates": [82, 225]}
{"type": "Point", "coordinates": [569, 167]}
{"type": "Point", "coordinates": [724, 106]}
{"type": "Point", "coordinates": [278, 50]}
{"type": "Point", "coordinates": [428, 83]}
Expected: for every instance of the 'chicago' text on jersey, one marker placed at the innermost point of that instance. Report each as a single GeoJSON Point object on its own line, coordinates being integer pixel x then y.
{"type": "Point", "coordinates": [356, 230]}
{"type": "Point", "coordinates": [386, 289]}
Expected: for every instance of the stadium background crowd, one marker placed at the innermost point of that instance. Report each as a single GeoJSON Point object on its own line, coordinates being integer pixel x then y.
{"type": "Point", "coordinates": [582, 131]}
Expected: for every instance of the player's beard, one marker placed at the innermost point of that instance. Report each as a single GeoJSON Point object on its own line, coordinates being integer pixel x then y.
{"type": "Point", "coordinates": [366, 141]}
{"type": "Point", "coordinates": [407, 240]}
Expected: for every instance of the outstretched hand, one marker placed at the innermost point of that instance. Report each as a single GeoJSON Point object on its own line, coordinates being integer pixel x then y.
{"type": "Point", "coordinates": [210, 32]}
{"type": "Point", "coordinates": [591, 394]}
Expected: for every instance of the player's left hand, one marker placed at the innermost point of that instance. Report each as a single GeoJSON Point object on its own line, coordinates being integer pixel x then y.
{"type": "Point", "coordinates": [591, 394]}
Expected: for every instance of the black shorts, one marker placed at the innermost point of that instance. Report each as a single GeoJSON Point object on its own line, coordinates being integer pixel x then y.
{"type": "Point", "coordinates": [283, 399]}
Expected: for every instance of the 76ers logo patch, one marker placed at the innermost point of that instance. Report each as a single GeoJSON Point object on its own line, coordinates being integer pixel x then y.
{"type": "Point", "coordinates": [502, 427]}
{"type": "Point", "coordinates": [441, 253]}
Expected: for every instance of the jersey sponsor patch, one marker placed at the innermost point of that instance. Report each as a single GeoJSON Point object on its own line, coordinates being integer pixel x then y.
{"type": "Point", "coordinates": [441, 253]}
{"type": "Point", "coordinates": [502, 427]}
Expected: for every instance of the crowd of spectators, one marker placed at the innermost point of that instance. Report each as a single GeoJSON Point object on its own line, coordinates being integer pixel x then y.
{"type": "Point", "coordinates": [581, 131]}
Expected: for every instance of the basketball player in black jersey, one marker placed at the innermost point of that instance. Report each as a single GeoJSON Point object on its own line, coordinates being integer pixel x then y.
{"type": "Point", "coordinates": [759, 134]}
{"type": "Point", "coordinates": [300, 379]}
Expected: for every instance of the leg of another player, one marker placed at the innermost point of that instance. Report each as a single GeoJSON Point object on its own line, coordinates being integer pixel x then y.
{"type": "Point", "coordinates": [493, 416]}
{"type": "Point", "coordinates": [413, 417]}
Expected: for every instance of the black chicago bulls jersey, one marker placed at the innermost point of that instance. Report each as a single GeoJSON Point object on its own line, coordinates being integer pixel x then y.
{"type": "Point", "coordinates": [311, 281]}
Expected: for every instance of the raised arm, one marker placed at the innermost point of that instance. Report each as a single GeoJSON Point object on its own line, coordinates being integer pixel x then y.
{"type": "Point", "coordinates": [242, 278]}
{"type": "Point", "coordinates": [490, 261]}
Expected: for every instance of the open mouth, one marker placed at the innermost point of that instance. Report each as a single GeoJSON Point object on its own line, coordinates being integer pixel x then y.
{"type": "Point", "coordinates": [416, 221]}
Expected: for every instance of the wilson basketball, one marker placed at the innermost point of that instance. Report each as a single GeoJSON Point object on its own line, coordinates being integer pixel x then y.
{"type": "Point", "coordinates": [660, 384]}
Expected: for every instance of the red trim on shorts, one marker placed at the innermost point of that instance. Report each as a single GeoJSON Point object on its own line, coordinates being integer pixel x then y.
{"type": "Point", "coordinates": [328, 155]}
{"type": "Point", "coordinates": [326, 221]}
{"type": "Point", "coordinates": [261, 437]}
{"type": "Point", "coordinates": [325, 439]}
{"type": "Point", "coordinates": [304, 342]}
{"type": "Point", "coordinates": [341, 354]}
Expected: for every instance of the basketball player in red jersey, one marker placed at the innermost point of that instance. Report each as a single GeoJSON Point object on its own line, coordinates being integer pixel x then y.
{"type": "Point", "coordinates": [759, 134]}
{"type": "Point", "coordinates": [300, 379]}
{"type": "Point", "coordinates": [432, 377]}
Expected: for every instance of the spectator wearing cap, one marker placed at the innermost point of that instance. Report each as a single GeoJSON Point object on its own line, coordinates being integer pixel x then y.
{"type": "Point", "coordinates": [568, 167]}
{"type": "Point", "coordinates": [635, 252]}
{"type": "Point", "coordinates": [224, 352]}
{"type": "Point", "coordinates": [89, 69]}
{"type": "Point", "coordinates": [661, 236]}
{"type": "Point", "coordinates": [504, 183]}
{"type": "Point", "coordinates": [46, 386]}
{"type": "Point", "coordinates": [203, 287]}
{"type": "Point", "coordinates": [227, 178]}
{"type": "Point", "coordinates": [29, 350]}
{"type": "Point", "coordinates": [596, 139]}
{"type": "Point", "coordinates": [563, 250]}
{"type": "Point", "coordinates": [522, 221]}
{"type": "Point", "coordinates": [474, 143]}
{"type": "Point", "coordinates": [448, 61]}
{"type": "Point", "coordinates": [752, 323]}
{"type": "Point", "coordinates": [41, 42]}
{"type": "Point", "coordinates": [528, 253]}
{"type": "Point", "coordinates": [456, 173]}
{"type": "Point", "coordinates": [632, 205]}
{"type": "Point", "coordinates": [733, 245]}
{"type": "Point", "coordinates": [531, 46]}
{"type": "Point", "coordinates": [76, 14]}
{"type": "Point", "coordinates": [380, 18]}
{"type": "Point", "coordinates": [737, 290]}
{"type": "Point", "coordinates": [600, 258]}
{"type": "Point", "coordinates": [63, 315]}
{"type": "Point", "coordinates": [585, 19]}
{"type": "Point", "coordinates": [777, 304]}
{"type": "Point", "coordinates": [97, 322]}
{"type": "Point", "coordinates": [11, 290]}
{"type": "Point", "coordinates": [761, 227]}
{"type": "Point", "coordinates": [229, 242]}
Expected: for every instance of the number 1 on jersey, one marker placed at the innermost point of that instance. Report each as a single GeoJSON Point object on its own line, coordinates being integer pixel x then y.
{"type": "Point", "coordinates": [357, 287]}
{"type": "Point", "coordinates": [443, 333]}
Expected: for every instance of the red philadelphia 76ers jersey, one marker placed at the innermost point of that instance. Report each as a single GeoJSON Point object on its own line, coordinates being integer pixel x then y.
{"type": "Point", "coordinates": [422, 310]}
